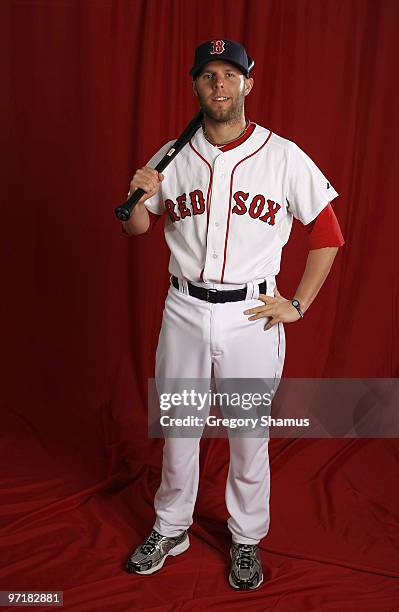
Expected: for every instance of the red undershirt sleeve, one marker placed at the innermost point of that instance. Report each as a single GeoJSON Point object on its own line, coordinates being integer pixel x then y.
{"type": "Point", "coordinates": [324, 230]}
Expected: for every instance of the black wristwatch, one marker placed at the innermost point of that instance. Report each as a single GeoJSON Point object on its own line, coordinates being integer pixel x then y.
{"type": "Point", "coordinates": [297, 305]}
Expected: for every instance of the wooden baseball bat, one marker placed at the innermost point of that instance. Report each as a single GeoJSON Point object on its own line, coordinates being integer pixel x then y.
{"type": "Point", "coordinates": [124, 211]}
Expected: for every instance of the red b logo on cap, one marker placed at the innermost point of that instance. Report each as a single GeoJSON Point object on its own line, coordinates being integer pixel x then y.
{"type": "Point", "coordinates": [217, 47]}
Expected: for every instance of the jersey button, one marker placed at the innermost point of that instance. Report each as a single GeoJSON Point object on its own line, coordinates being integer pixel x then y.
{"type": "Point", "coordinates": [215, 256]}
{"type": "Point", "coordinates": [217, 224]}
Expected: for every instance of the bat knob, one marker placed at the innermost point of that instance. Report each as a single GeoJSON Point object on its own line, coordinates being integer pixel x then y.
{"type": "Point", "coordinates": [122, 213]}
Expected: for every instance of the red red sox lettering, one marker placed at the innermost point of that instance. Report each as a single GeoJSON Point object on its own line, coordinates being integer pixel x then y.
{"type": "Point", "coordinates": [258, 208]}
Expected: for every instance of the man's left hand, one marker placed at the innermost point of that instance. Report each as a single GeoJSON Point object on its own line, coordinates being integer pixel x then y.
{"type": "Point", "coordinates": [277, 308]}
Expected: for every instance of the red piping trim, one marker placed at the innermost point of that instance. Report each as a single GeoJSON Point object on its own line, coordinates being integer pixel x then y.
{"type": "Point", "coordinates": [207, 199]}
{"type": "Point", "coordinates": [239, 141]}
{"type": "Point", "coordinates": [231, 190]}
{"type": "Point", "coordinates": [278, 346]}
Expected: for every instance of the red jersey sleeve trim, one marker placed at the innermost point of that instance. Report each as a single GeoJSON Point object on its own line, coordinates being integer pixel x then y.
{"type": "Point", "coordinates": [325, 231]}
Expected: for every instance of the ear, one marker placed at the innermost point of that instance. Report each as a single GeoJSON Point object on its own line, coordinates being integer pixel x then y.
{"type": "Point", "coordinates": [249, 83]}
{"type": "Point", "coordinates": [195, 88]}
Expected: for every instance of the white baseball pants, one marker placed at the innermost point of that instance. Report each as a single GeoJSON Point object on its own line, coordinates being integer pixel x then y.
{"type": "Point", "coordinates": [196, 336]}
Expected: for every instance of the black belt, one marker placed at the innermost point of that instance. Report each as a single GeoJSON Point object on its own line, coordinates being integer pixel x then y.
{"type": "Point", "coordinates": [214, 295]}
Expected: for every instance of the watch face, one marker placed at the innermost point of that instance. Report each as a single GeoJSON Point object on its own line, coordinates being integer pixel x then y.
{"type": "Point", "coordinates": [295, 303]}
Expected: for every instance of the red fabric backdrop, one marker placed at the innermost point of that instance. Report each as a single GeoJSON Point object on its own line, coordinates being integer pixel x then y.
{"type": "Point", "coordinates": [89, 91]}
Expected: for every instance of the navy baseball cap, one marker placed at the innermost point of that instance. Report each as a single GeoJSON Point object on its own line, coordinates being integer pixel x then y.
{"type": "Point", "coordinates": [222, 49]}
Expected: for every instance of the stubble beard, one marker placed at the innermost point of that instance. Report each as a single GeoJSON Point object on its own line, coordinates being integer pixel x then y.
{"type": "Point", "coordinates": [230, 115]}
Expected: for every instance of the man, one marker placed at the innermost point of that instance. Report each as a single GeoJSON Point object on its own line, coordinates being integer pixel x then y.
{"type": "Point", "coordinates": [230, 198]}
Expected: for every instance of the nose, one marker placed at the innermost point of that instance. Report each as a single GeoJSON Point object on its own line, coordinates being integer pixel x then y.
{"type": "Point", "coordinates": [218, 81]}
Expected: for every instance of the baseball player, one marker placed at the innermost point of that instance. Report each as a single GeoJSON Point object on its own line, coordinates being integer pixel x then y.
{"type": "Point", "coordinates": [228, 200]}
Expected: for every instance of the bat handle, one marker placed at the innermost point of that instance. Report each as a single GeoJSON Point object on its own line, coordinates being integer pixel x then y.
{"type": "Point", "coordinates": [124, 211]}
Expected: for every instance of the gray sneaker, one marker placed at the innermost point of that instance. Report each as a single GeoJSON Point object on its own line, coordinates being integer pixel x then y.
{"type": "Point", "coordinates": [246, 566]}
{"type": "Point", "coordinates": [150, 556]}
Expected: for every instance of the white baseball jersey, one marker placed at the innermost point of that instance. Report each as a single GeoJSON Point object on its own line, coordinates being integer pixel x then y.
{"type": "Point", "coordinates": [230, 213]}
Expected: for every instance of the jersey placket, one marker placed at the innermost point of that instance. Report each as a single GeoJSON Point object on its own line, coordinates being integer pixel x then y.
{"type": "Point", "coordinates": [218, 215]}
